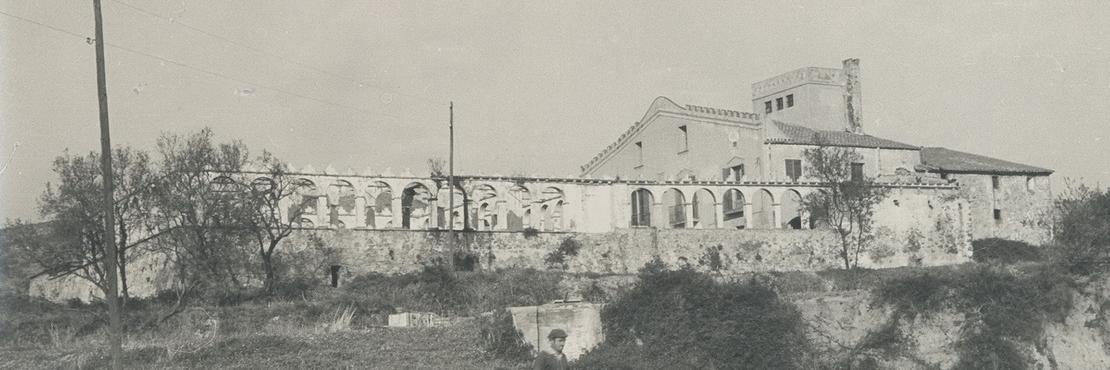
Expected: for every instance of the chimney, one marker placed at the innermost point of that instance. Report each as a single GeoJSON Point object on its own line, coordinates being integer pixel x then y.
{"type": "Point", "coordinates": [853, 95]}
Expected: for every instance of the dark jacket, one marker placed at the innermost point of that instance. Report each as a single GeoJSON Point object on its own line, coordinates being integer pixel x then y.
{"type": "Point", "coordinates": [548, 361]}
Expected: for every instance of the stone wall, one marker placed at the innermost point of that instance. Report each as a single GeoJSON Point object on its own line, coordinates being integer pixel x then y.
{"type": "Point", "coordinates": [1024, 204]}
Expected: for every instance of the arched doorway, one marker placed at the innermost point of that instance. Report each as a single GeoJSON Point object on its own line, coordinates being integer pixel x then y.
{"type": "Point", "coordinates": [642, 201]}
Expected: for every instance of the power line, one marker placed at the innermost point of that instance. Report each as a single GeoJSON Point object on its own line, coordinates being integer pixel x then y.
{"type": "Point", "coordinates": [187, 66]}
{"type": "Point", "coordinates": [275, 55]}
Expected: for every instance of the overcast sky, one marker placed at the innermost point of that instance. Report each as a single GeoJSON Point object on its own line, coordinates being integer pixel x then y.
{"type": "Point", "coordinates": [538, 87]}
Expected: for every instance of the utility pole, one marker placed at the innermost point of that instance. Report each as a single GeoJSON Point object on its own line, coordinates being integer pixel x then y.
{"type": "Point", "coordinates": [115, 332]}
{"type": "Point", "coordinates": [451, 188]}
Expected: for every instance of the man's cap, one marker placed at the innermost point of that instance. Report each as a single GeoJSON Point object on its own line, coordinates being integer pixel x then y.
{"type": "Point", "coordinates": [557, 333]}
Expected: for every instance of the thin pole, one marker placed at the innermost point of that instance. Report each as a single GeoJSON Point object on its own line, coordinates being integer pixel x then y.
{"type": "Point", "coordinates": [116, 331]}
{"type": "Point", "coordinates": [451, 187]}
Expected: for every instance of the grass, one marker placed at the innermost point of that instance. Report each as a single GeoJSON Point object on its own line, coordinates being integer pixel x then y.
{"type": "Point", "coordinates": [307, 348]}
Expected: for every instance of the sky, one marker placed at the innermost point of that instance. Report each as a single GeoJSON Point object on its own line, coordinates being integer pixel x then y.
{"type": "Point", "coordinates": [538, 87]}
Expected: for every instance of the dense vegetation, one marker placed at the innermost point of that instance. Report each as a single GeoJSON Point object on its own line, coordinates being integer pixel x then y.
{"type": "Point", "coordinates": [686, 320]}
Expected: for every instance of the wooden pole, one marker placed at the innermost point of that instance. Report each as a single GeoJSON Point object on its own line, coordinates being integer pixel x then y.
{"type": "Point", "coordinates": [116, 330]}
{"type": "Point", "coordinates": [451, 189]}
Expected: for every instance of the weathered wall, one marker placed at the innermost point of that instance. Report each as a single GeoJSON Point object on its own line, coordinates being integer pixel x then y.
{"type": "Point", "coordinates": [876, 162]}
{"type": "Point", "coordinates": [818, 98]}
{"type": "Point", "coordinates": [1024, 201]}
{"type": "Point", "coordinates": [581, 321]}
{"type": "Point", "coordinates": [839, 321]}
{"type": "Point", "coordinates": [711, 145]}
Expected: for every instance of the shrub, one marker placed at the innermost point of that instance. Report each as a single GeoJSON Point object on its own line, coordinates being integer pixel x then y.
{"type": "Point", "coordinates": [567, 248]}
{"type": "Point", "coordinates": [1082, 230]}
{"type": "Point", "coordinates": [1003, 308]}
{"type": "Point", "coordinates": [498, 338]}
{"type": "Point", "coordinates": [1004, 251]}
{"type": "Point", "coordinates": [685, 319]}
{"type": "Point", "coordinates": [438, 289]}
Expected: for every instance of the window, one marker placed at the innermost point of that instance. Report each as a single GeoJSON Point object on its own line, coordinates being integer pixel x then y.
{"type": "Point", "coordinates": [944, 176]}
{"type": "Point", "coordinates": [639, 153]}
{"type": "Point", "coordinates": [857, 171]}
{"type": "Point", "coordinates": [767, 106]}
{"type": "Point", "coordinates": [778, 104]}
{"type": "Point", "coordinates": [997, 215]}
{"type": "Point", "coordinates": [995, 183]}
{"type": "Point", "coordinates": [790, 100]}
{"type": "Point", "coordinates": [736, 172]}
{"type": "Point", "coordinates": [683, 139]}
{"type": "Point", "coordinates": [794, 169]}
{"type": "Point", "coordinates": [641, 208]}
{"type": "Point", "coordinates": [1029, 184]}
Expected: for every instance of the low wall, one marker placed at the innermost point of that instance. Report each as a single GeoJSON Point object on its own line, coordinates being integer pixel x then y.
{"type": "Point", "coordinates": [626, 251]}
{"type": "Point", "coordinates": [581, 321]}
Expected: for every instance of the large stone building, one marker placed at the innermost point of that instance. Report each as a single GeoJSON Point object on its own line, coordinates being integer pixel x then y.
{"type": "Point", "coordinates": [736, 178]}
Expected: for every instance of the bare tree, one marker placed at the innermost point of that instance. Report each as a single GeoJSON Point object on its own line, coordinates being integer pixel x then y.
{"type": "Point", "coordinates": [75, 245]}
{"type": "Point", "coordinates": [847, 204]}
{"type": "Point", "coordinates": [266, 195]}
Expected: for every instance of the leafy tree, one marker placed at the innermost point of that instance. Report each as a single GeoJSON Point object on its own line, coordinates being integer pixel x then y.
{"type": "Point", "coordinates": [1082, 228]}
{"type": "Point", "coordinates": [206, 213]}
{"type": "Point", "coordinates": [75, 206]}
{"type": "Point", "coordinates": [265, 196]}
{"type": "Point", "coordinates": [847, 204]}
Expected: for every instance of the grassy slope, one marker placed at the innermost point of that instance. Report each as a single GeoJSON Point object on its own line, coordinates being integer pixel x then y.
{"type": "Point", "coordinates": [374, 348]}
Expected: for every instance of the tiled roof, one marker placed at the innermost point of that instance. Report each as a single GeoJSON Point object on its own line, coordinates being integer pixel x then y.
{"type": "Point", "coordinates": [948, 160]}
{"type": "Point", "coordinates": [792, 134]}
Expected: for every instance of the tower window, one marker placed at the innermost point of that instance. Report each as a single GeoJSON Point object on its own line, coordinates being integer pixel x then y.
{"type": "Point", "coordinates": [995, 182]}
{"type": "Point", "coordinates": [997, 215]}
{"type": "Point", "coordinates": [790, 100]}
{"type": "Point", "coordinates": [640, 153]}
{"type": "Point", "coordinates": [778, 103]}
{"type": "Point", "coordinates": [767, 106]}
{"type": "Point", "coordinates": [684, 139]}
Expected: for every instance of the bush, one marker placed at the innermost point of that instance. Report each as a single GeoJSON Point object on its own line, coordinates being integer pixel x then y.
{"type": "Point", "coordinates": [438, 289]}
{"type": "Point", "coordinates": [685, 319]}
{"type": "Point", "coordinates": [1082, 230]}
{"type": "Point", "coordinates": [1004, 251]}
{"type": "Point", "coordinates": [567, 248]}
{"type": "Point", "coordinates": [498, 338]}
{"type": "Point", "coordinates": [1003, 307]}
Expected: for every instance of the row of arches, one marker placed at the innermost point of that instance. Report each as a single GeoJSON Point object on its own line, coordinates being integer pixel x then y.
{"type": "Point", "coordinates": [759, 209]}
{"type": "Point", "coordinates": [419, 205]}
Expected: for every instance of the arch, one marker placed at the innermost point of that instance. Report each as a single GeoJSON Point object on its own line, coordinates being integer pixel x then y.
{"type": "Point", "coordinates": [263, 184]}
{"type": "Point", "coordinates": [341, 198]}
{"type": "Point", "coordinates": [763, 211]}
{"type": "Point", "coordinates": [791, 207]}
{"type": "Point", "coordinates": [223, 184]}
{"type": "Point", "coordinates": [303, 199]}
{"type": "Point", "coordinates": [486, 218]}
{"type": "Point", "coordinates": [819, 217]}
{"type": "Point", "coordinates": [483, 192]}
{"type": "Point", "coordinates": [517, 202]}
{"type": "Point", "coordinates": [558, 211]}
{"type": "Point", "coordinates": [642, 201]}
{"type": "Point", "coordinates": [549, 219]}
{"type": "Point", "coordinates": [379, 204]}
{"type": "Point", "coordinates": [675, 205]}
{"type": "Point", "coordinates": [733, 209]}
{"type": "Point", "coordinates": [416, 206]}
{"type": "Point", "coordinates": [705, 209]}
{"type": "Point", "coordinates": [304, 222]}
{"type": "Point", "coordinates": [458, 210]}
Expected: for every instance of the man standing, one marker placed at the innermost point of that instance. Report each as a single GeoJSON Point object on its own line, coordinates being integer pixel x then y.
{"type": "Point", "coordinates": [554, 360]}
